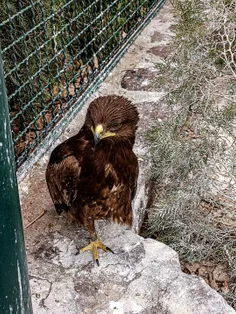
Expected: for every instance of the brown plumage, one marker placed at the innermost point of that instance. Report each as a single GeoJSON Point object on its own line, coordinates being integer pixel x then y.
{"type": "Point", "coordinates": [93, 174]}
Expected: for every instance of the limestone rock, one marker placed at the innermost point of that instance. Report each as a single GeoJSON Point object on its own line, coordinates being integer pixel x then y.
{"type": "Point", "coordinates": [143, 276]}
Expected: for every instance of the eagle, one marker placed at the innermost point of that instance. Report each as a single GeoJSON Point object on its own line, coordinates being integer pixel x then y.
{"type": "Point", "coordinates": [93, 175]}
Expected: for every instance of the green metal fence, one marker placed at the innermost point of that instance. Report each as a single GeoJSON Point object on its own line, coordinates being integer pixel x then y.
{"type": "Point", "coordinates": [14, 284]}
{"type": "Point", "coordinates": [55, 53]}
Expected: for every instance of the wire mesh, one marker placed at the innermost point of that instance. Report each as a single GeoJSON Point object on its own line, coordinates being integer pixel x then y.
{"type": "Point", "coordinates": [52, 51]}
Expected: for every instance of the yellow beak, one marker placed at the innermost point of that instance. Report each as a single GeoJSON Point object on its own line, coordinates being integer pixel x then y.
{"type": "Point", "coordinates": [98, 133]}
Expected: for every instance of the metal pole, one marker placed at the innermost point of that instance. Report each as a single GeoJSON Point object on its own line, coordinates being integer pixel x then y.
{"type": "Point", "coordinates": [14, 284]}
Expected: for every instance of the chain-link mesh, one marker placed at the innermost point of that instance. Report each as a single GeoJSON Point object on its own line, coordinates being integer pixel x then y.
{"type": "Point", "coordinates": [53, 50]}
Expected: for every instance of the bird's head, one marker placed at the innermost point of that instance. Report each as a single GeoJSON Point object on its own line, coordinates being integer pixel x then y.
{"type": "Point", "coordinates": [112, 119]}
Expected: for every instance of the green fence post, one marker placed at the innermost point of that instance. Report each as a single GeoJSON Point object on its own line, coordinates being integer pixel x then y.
{"type": "Point", "coordinates": [14, 284]}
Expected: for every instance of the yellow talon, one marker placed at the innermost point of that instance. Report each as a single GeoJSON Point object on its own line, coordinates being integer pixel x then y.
{"type": "Point", "coordinates": [94, 246]}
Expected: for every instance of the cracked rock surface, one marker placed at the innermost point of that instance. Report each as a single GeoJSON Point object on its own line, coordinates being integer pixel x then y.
{"type": "Point", "coordinates": [143, 276]}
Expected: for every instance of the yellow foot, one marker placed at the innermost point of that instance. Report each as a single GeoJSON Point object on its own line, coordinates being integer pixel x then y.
{"type": "Point", "coordinates": [94, 246]}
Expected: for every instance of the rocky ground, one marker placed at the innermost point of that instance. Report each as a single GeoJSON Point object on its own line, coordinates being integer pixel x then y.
{"type": "Point", "coordinates": [143, 276]}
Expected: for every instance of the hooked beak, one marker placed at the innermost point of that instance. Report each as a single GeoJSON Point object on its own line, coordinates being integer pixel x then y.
{"type": "Point", "coordinates": [98, 134]}
{"type": "Point", "coordinates": [97, 138]}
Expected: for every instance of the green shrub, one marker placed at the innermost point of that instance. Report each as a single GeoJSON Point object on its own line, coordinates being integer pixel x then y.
{"type": "Point", "coordinates": [193, 154]}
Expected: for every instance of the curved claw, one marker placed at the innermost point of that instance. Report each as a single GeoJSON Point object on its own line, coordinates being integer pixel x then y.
{"type": "Point", "coordinates": [110, 250]}
{"type": "Point", "coordinates": [78, 250]}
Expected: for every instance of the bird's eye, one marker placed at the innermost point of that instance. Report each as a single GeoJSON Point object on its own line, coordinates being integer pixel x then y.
{"type": "Point", "coordinates": [115, 125]}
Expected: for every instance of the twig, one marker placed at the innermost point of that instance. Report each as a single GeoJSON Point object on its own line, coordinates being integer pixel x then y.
{"type": "Point", "coordinates": [37, 218]}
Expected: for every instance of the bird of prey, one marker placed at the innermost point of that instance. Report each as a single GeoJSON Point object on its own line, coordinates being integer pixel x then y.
{"type": "Point", "coordinates": [93, 175]}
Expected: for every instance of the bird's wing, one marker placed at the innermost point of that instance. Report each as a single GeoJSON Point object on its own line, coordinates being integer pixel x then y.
{"type": "Point", "coordinates": [62, 180]}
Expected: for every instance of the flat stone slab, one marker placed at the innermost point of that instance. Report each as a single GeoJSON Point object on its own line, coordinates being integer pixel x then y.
{"type": "Point", "coordinates": [161, 51]}
{"type": "Point", "coordinates": [139, 79]}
